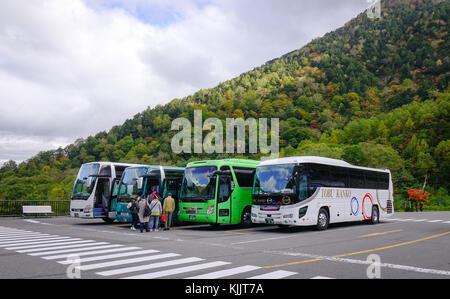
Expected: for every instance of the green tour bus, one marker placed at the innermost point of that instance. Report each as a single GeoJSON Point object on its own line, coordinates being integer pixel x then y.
{"type": "Point", "coordinates": [142, 181]}
{"type": "Point", "coordinates": [217, 192]}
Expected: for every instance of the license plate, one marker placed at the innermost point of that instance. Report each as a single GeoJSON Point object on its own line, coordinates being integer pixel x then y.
{"type": "Point", "coordinates": [269, 221]}
{"type": "Point", "coordinates": [191, 217]}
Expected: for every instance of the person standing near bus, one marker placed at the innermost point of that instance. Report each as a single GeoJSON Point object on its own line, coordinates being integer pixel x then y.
{"type": "Point", "coordinates": [156, 210]}
{"type": "Point", "coordinates": [143, 217]}
{"type": "Point", "coordinates": [168, 209]}
{"type": "Point", "coordinates": [134, 208]}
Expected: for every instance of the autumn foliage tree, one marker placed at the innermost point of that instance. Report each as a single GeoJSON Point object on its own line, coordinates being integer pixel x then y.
{"type": "Point", "coordinates": [417, 196]}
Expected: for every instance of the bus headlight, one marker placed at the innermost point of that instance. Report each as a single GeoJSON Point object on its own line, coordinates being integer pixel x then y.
{"type": "Point", "coordinates": [87, 209]}
{"type": "Point", "coordinates": [302, 212]}
{"type": "Point", "coordinates": [210, 210]}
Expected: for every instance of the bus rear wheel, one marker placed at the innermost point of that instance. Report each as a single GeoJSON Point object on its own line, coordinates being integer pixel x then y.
{"type": "Point", "coordinates": [323, 219]}
{"type": "Point", "coordinates": [375, 215]}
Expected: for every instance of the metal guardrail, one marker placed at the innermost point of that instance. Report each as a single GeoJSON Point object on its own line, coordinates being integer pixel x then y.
{"type": "Point", "coordinates": [13, 208]}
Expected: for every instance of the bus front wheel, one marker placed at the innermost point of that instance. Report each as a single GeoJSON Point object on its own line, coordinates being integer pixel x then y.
{"type": "Point", "coordinates": [108, 220]}
{"type": "Point", "coordinates": [246, 218]}
{"type": "Point", "coordinates": [323, 219]}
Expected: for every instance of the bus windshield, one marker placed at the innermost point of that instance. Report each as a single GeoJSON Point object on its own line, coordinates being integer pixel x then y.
{"type": "Point", "coordinates": [275, 179]}
{"type": "Point", "coordinates": [197, 184]}
{"type": "Point", "coordinates": [81, 190]}
{"type": "Point", "coordinates": [128, 188]}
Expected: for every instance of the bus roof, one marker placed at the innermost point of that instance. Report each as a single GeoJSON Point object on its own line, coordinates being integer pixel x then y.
{"type": "Point", "coordinates": [316, 160]}
{"type": "Point", "coordinates": [157, 167]}
{"type": "Point", "coordinates": [225, 162]}
{"type": "Point", "coordinates": [112, 163]}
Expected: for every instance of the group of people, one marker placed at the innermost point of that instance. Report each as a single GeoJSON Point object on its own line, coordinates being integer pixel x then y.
{"type": "Point", "coordinates": [147, 211]}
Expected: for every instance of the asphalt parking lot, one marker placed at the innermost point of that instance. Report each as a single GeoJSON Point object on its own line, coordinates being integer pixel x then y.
{"type": "Point", "coordinates": [408, 245]}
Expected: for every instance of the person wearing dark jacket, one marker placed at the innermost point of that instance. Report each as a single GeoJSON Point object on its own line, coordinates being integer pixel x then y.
{"type": "Point", "coordinates": [134, 208]}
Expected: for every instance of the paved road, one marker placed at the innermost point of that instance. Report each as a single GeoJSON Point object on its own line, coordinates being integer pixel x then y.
{"type": "Point", "coordinates": [409, 245]}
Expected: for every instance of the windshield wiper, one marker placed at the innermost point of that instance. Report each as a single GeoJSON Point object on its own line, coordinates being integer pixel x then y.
{"type": "Point", "coordinates": [194, 199]}
{"type": "Point", "coordinates": [80, 196]}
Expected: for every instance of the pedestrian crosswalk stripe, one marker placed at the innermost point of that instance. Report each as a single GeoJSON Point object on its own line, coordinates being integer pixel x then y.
{"type": "Point", "coordinates": [47, 243]}
{"type": "Point", "coordinates": [175, 271]}
{"type": "Point", "coordinates": [274, 275]}
{"type": "Point", "coordinates": [74, 250]}
{"type": "Point", "coordinates": [84, 244]}
{"type": "Point", "coordinates": [111, 256]}
{"type": "Point", "coordinates": [21, 235]}
{"type": "Point", "coordinates": [22, 238]}
{"type": "Point", "coordinates": [225, 273]}
{"type": "Point", "coordinates": [87, 253]}
{"type": "Point", "coordinates": [127, 261]}
{"type": "Point", "coordinates": [30, 242]}
{"type": "Point", "coordinates": [150, 266]}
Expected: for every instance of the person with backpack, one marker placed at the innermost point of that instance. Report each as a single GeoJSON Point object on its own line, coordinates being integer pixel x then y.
{"type": "Point", "coordinates": [144, 214]}
{"type": "Point", "coordinates": [156, 210]}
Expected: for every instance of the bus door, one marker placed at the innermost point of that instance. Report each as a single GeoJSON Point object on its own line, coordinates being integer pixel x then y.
{"type": "Point", "coordinates": [172, 185]}
{"type": "Point", "coordinates": [102, 197]}
{"type": "Point", "coordinates": [114, 193]}
{"type": "Point", "coordinates": [224, 190]}
{"type": "Point", "coordinates": [151, 185]}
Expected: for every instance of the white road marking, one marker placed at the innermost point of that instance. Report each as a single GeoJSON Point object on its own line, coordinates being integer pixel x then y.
{"type": "Point", "coordinates": [225, 273]}
{"type": "Point", "coordinates": [11, 235]}
{"type": "Point", "coordinates": [364, 262]}
{"type": "Point", "coordinates": [84, 244]}
{"type": "Point", "coordinates": [260, 240]}
{"type": "Point", "coordinates": [126, 261]}
{"type": "Point", "coordinates": [111, 256]}
{"type": "Point", "coordinates": [433, 221]}
{"type": "Point", "coordinates": [274, 275]}
{"type": "Point", "coordinates": [30, 242]}
{"type": "Point", "coordinates": [29, 237]}
{"type": "Point", "coordinates": [74, 250]}
{"type": "Point", "coordinates": [48, 243]}
{"type": "Point", "coordinates": [64, 256]}
{"type": "Point", "coordinates": [321, 277]}
{"type": "Point", "coordinates": [150, 266]}
{"type": "Point", "coordinates": [178, 270]}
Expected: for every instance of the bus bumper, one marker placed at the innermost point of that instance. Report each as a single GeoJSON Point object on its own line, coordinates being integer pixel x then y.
{"type": "Point", "coordinates": [298, 216]}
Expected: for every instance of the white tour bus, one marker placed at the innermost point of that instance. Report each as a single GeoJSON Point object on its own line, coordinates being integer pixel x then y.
{"type": "Point", "coordinates": [94, 190]}
{"type": "Point", "coordinates": [318, 191]}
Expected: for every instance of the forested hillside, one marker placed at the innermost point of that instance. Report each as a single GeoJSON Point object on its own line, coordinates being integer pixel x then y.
{"type": "Point", "coordinates": [374, 93]}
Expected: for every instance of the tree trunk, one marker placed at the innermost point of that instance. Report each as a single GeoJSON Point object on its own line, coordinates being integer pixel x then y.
{"type": "Point", "coordinates": [425, 182]}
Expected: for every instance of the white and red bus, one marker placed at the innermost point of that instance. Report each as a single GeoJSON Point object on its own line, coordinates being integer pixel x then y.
{"type": "Point", "coordinates": [317, 191]}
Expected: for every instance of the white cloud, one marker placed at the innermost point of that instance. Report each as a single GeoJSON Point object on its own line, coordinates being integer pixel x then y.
{"type": "Point", "coordinates": [70, 69]}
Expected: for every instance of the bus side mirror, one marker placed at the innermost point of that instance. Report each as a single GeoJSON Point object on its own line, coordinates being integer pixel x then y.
{"type": "Point", "coordinates": [140, 183]}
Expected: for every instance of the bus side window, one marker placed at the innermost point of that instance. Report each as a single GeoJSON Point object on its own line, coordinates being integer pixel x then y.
{"type": "Point", "coordinates": [383, 181]}
{"type": "Point", "coordinates": [356, 179]}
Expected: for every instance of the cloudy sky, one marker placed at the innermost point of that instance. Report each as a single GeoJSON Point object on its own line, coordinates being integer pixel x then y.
{"type": "Point", "coordinates": [73, 68]}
